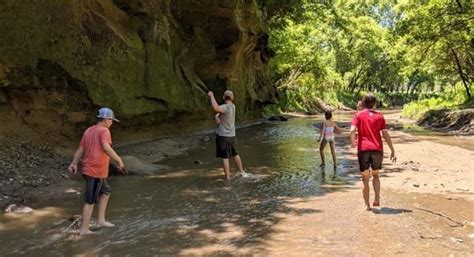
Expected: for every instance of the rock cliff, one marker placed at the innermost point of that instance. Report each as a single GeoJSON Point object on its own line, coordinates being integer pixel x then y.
{"type": "Point", "coordinates": [149, 60]}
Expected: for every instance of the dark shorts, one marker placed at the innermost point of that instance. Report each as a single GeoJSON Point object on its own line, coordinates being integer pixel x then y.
{"type": "Point", "coordinates": [370, 159]}
{"type": "Point", "coordinates": [94, 188]}
{"type": "Point", "coordinates": [226, 147]}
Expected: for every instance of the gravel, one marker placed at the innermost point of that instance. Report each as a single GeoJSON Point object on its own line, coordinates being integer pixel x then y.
{"type": "Point", "coordinates": [25, 166]}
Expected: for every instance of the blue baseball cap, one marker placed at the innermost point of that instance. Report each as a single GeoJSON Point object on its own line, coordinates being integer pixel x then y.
{"type": "Point", "coordinates": [106, 113]}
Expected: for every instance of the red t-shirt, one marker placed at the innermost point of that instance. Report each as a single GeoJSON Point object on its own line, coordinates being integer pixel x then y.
{"type": "Point", "coordinates": [95, 162]}
{"type": "Point", "coordinates": [369, 124]}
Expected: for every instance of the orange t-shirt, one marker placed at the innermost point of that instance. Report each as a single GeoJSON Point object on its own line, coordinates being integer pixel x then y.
{"type": "Point", "coordinates": [95, 162]}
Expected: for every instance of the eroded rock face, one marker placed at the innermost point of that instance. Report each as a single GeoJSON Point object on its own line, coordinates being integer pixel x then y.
{"type": "Point", "coordinates": [149, 60]}
{"type": "Point", "coordinates": [461, 121]}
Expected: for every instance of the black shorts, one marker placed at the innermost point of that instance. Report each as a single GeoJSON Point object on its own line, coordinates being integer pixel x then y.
{"type": "Point", "coordinates": [370, 159]}
{"type": "Point", "coordinates": [226, 147]}
{"type": "Point", "coordinates": [94, 188]}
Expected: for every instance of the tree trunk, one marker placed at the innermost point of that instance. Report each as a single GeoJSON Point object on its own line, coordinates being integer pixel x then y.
{"type": "Point", "coordinates": [290, 79]}
{"type": "Point", "coordinates": [461, 74]}
{"type": "Point", "coordinates": [353, 83]}
{"type": "Point", "coordinates": [414, 87]}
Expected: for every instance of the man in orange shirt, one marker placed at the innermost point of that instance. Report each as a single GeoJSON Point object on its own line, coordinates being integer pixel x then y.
{"type": "Point", "coordinates": [96, 150]}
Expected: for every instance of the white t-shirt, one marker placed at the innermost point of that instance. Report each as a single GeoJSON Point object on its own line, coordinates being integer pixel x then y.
{"type": "Point", "coordinates": [227, 126]}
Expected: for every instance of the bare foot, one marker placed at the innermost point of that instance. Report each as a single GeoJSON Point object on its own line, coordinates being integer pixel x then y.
{"type": "Point", "coordinates": [367, 208]}
{"type": "Point", "coordinates": [87, 232]}
{"type": "Point", "coordinates": [105, 224]}
{"type": "Point", "coordinates": [376, 203]}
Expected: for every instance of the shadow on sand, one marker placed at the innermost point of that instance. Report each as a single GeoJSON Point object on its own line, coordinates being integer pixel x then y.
{"type": "Point", "coordinates": [390, 211]}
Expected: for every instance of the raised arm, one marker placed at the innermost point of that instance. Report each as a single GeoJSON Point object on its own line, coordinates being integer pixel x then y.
{"type": "Point", "coordinates": [214, 103]}
{"type": "Point", "coordinates": [77, 156]}
{"type": "Point", "coordinates": [388, 139]}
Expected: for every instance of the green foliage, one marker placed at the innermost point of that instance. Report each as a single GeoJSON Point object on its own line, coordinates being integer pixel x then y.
{"type": "Point", "coordinates": [448, 100]}
{"type": "Point", "coordinates": [443, 32]}
{"type": "Point", "coordinates": [272, 110]}
{"type": "Point", "coordinates": [349, 99]}
{"type": "Point", "coordinates": [400, 50]}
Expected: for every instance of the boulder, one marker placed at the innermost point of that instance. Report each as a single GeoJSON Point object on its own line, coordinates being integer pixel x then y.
{"type": "Point", "coordinates": [136, 166]}
{"type": "Point", "coordinates": [18, 208]}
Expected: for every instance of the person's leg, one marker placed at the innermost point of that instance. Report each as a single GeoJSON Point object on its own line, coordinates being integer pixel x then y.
{"type": "Point", "coordinates": [86, 218]}
{"type": "Point", "coordinates": [226, 166]}
{"type": "Point", "coordinates": [365, 187]}
{"type": "Point", "coordinates": [90, 197]}
{"type": "Point", "coordinates": [101, 222]}
{"type": "Point", "coordinates": [321, 151]}
{"type": "Point", "coordinates": [239, 164]}
{"type": "Point", "coordinates": [364, 168]}
{"type": "Point", "coordinates": [377, 158]}
{"type": "Point", "coordinates": [376, 185]}
{"type": "Point", "coordinates": [333, 152]}
{"type": "Point", "coordinates": [235, 155]}
{"type": "Point", "coordinates": [104, 196]}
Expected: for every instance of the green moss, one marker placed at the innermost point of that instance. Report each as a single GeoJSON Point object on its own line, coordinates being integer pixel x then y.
{"type": "Point", "coordinates": [137, 107]}
{"type": "Point", "coordinates": [3, 98]}
{"type": "Point", "coordinates": [101, 48]}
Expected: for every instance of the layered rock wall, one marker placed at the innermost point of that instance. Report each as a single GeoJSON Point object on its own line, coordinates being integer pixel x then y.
{"type": "Point", "coordinates": [149, 60]}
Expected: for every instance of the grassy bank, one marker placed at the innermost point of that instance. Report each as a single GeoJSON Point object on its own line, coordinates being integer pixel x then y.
{"type": "Point", "coordinates": [453, 99]}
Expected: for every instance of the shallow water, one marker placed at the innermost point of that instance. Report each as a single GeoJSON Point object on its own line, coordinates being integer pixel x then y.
{"type": "Point", "coordinates": [190, 206]}
{"type": "Point", "coordinates": [184, 206]}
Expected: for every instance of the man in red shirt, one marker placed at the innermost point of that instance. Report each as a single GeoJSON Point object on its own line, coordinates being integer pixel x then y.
{"type": "Point", "coordinates": [95, 149]}
{"type": "Point", "coordinates": [369, 124]}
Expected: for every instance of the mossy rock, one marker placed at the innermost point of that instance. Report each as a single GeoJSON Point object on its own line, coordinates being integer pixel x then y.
{"type": "Point", "coordinates": [148, 61]}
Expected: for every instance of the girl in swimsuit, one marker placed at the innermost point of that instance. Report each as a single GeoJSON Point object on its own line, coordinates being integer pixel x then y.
{"type": "Point", "coordinates": [327, 136]}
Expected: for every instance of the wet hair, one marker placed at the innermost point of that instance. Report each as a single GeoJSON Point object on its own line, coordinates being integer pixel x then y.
{"type": "Point", "coordinates": [328, 114]}
{"type": "Point", "coordinates": [368, 101]}
{"type": "Point", "coordinates": [100, 119]}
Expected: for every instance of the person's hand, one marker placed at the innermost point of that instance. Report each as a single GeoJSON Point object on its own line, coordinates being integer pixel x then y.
{"type": "Point", "coordinates": [121, 167]}
{"type": "Point", "coordinates": [393, 158]}
{"type": "Point", "coordinates": [124, 170]}
{"type": "Point", "coordinates": [210, 94]}
{"type": "Point", "coordinates": [354, 144]}
{"type": "Point", "coordinates": [73, 168]}
{"type": "Point", "coordinates": [120, 164]}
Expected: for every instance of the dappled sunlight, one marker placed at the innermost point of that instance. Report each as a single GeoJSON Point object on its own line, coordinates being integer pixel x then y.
{"type": "Point", "coordinates": [301, 149]}
{"type": "Point", "coordinates": [13, 221]}
{"type": "Point", "coordinates": [71, 190]}
{"type": "Point", "coordinates": [207, 173]}
{"type": "Point", "coordinates": [287, 200]}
